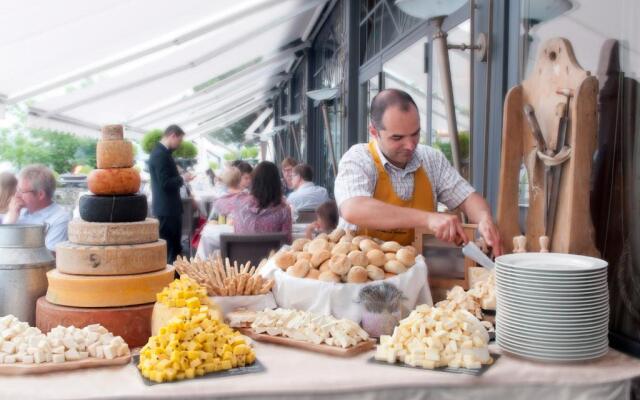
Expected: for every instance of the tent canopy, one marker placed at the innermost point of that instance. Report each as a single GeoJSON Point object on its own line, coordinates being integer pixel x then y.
{"type": "Point", "coordinates": [148, 63]}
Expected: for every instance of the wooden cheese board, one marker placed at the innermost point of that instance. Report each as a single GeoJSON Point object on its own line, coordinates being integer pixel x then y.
{"type": "Point", "coordinates": [360, 348]}
{"type": "Point", "coordinates": [45, 368]}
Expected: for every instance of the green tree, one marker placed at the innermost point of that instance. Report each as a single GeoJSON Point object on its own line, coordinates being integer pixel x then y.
{"type": "Point", "coordinates": [186, 150]}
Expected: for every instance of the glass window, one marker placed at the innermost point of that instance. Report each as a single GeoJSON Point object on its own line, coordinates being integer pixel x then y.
{"type": "Point", "coordinates": [460, 66]}
{"type": "Point", "coordinates": [406, 72]}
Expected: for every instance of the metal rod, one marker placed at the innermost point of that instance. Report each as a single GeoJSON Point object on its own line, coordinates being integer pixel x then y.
{"type": "Point", "coordinates": [292, 129]}
{"type": "Point", "coordinates": [329, 135]}
{"type": "Point", "coordinates": [440, 43]}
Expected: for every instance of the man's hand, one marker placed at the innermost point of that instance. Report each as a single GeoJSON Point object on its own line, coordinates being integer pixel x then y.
{"type": "Point", "coordinates": [489, 232]}
{"type": "Point", "coordinates": [188, 177]}
{"type": "Point", "coordinates": [446, 227]}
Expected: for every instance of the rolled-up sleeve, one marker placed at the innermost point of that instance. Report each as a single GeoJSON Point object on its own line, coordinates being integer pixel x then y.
{"type": "Point", "coordinates": [356, 175]}
{"type": "Point", "coordinates": [451, 188]}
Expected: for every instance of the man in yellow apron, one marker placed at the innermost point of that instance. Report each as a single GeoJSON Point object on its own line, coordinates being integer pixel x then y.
{"type": "Point", "coordinates": [391, 185]}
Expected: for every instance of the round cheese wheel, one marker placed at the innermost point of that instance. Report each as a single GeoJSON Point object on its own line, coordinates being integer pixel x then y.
{"type": "Point", "coordinates": [79, 259]}
{"type": "Point", "coordinates": [114, 181]}
{"type": "Point", "coordinates": [132, 323]}
{"type": "Point", "coordinates": [106, 291]}
{"type": "Point", "coordinates": [112, 132]}
{"type": "Point", "coordinates": [108, 233]}
{"type": "Point", "coordinates": [132, 208]}
{"type": "Point", "coordinates": [114, 154]}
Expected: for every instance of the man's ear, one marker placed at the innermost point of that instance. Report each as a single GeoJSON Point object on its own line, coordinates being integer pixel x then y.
{"type": "Point", "coordinates": [373, 132]}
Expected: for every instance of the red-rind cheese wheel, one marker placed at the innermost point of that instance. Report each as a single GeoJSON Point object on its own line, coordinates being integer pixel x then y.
{"type": "Point", "coordinates": [114, 154]}
{"type": "Point", "coordinates": [133, 323]}
{"type": "Point", "coordinates": [114, 181]}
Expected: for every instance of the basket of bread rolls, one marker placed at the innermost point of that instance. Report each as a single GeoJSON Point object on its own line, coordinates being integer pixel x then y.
{"type": "Point", "coordinates": [341, 257]}
{"type": "Point", "coordinates": [325, 274]}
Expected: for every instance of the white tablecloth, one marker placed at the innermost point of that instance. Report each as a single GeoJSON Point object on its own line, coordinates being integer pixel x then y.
{"type": "Point", "coordinates": [296, 374]}
{"type": "Point", "coordinates": [210, 237]}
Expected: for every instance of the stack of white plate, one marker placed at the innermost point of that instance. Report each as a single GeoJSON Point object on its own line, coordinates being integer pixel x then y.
{"type": "Point", "coordinates": [552, 307]}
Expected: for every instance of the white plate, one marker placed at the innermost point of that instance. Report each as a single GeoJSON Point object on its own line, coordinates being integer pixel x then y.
{"type": "Point", "coordinates": [561, 279]}
{"type": "Point", "coordinates": [547, 293]}
{"type": "Point", "coordinates": [554, 357]}
{"type": "Point", "coordinates": [553, 289]}
{"type": "Point", "coordinates": [535, 298]}
{"type": "Point", "coordinates": [554, 262]}
{"type": "Point", "coordinates": [604, 308]}
{"type": "Point", "coordinates": [556, 348]}
{"type": "Point", "coordinates": [552, 316]}
{"type": "Point", "coordinates": [548, 337]}
{"type": "Point", "coordinates": [560, 304]}
{"type": "Point", "coordinates": [516, 280]}
{"type": "Point", "coordinates": [552, 325]}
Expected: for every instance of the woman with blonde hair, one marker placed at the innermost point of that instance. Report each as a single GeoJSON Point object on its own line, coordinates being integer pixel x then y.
{"type": "Point", "coordinates": [231, 178]}
{"type": "Point", "coordinates": [8, 185]}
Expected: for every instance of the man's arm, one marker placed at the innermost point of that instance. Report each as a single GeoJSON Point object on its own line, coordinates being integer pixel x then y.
{"type": "Point", "coordinates": [479, 212]}
{"type": "Point", "coordinates": [375, 214]}
{"type": "Point", "coordinates": [168, 182]}
{"type": "Point", "coordinates": [13, 213]}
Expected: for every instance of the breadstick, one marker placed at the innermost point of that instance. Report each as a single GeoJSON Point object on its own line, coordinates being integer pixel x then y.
{"type": "Point", "coordinates": [266, 287]}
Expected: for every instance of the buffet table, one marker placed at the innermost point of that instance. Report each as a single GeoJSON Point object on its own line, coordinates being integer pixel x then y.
{"type": "Point", "coordinates": [330, 377]}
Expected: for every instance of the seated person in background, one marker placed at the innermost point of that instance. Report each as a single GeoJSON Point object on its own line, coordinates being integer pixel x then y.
{"type": "Point", "coordinates": [306, 196]}
{"type": "Point", "coordinates": [246, 170]}
{"type": "Point", "coordinates": [8, 184]}
{"type": "Point", "coordinates": [33, 204]}
{"type": "Point", "coordinates": [264, 210]}
{"type": "Point", "coordinates": [327, 217]}
{"type": "Point", "coordinates": [287, 166]}
{"type": "Point", "coordinates": [225, 205]}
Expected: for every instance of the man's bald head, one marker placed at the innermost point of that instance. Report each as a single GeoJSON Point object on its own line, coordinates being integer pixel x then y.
{"type": "Point", "coordinates": [386, 99]}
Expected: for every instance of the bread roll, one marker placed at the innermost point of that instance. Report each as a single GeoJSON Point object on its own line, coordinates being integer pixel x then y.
{"type": "Point", "coordinates": [395, 267]}
{"type": "Point", "coordinates": [323, 236]}
{"type": "Point", "coordinates": [303, 255]}
{"type": "Point", "coordinates": [313, 274]}
{"type": "Point", "coordinates": [390, 247]}
{"type": "Point", "coordinates": [336, 235]}
{"type": "Point", "coordinates": [329, 276]}
{"type": "Point", "coordinates": [298, 244]}
{"type": "Point", "coordinates": [346, 239]}
{"type": "Point", "coordinates": [320, 257]}
{"type": "Point", "coordinates": [367, 245]}
{"type": "Point", "coordinates": [356, 240]}
{"type": "Point", "coordinates": [375, 273]}
{"type": "Point", "coordinates": [388, 275]}
{"type": "Point", "coordinates": [340, 264]}
{"type": "Point", "coordinates": [357, 275]}
{"type": "Point", "coordinates": [284, 260]}
{"type": "Point", "coordinates": [341, 248]}
{"type": "Point", "coordinates": [325, 266]}
{"type": "Point", "coordinates": [305, 248]}
{"type": "Point", "coordinates": [390, 256]}
{"type": "Point", "coordinates": [300, 269]}
{"type": "Point", "coordinates": [376, 257]}
{"type": "Point", "coordinates": [318, 245]}
{"type": "Point", "coordinates": [406, 257]}
{"type": "Point", "coordinates": [358, 258]}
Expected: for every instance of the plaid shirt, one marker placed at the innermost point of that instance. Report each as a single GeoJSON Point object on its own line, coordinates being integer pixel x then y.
{"type": "Point", "coordinates": [357, 177]}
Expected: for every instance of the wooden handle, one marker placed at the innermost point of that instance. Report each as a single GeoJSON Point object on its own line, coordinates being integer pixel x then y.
{"type": "Point", "coordinates": [520, 244]}
{"type": "Point", "coordinates": [544, 244]}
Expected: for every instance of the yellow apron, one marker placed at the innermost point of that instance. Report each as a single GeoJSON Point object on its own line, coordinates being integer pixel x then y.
{"type": "Point", "coordinates": [422, 199]}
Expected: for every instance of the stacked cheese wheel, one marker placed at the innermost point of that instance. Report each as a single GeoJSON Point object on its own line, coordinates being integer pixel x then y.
{"type": "Point", "coordinates": [114, 264]}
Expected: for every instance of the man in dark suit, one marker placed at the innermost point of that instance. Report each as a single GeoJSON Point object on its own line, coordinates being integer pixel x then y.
{"type": "Point", "coordinates": [165, 189]}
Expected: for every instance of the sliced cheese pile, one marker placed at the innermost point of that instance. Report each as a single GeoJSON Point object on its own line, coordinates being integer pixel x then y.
{"type": "Point", "coordinates": [183, 292]}
{"type": "Point", "coordinates": [21, 343]}
{"type": "Point", "coordinates": [193, 344]}
{"type": "Point", "coordinates": [309, 327]}
{"type": "Point", "coordinates": [481, 296]}
{"type": "Point", "coordinates": [432, 337]}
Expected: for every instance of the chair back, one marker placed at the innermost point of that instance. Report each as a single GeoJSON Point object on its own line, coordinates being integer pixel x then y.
{"type": "Point", "coordinates": [306, 216]}
{"type": "Point", "coordinates": [250, 247]}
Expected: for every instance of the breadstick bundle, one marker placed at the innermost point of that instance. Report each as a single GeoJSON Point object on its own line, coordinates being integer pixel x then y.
{"type": "Point", "coordinates": [224, 278]}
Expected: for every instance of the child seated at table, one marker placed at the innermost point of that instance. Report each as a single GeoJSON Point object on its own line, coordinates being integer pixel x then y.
{"type": "Point", "coordinates": [326, 220]}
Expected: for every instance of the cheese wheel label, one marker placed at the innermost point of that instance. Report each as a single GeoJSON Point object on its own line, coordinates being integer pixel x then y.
{"type": "Point", "coordinates": [109, 233]}
{"type": "Point", "coordinates": [114, 154]}
{"type": "Point", "coordinates": [106, 291]}
{"type": "Point", "coordinates": [78, 259]}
